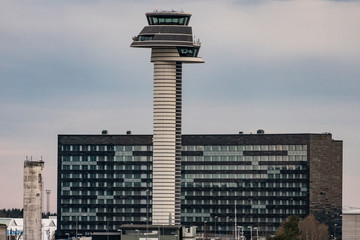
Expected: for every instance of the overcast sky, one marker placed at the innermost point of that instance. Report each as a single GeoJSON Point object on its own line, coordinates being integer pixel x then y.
{"type": "Point", "coordinates": [283, 66]}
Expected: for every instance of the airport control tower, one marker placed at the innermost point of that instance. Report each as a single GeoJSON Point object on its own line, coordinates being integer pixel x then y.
{"type": "Point", "coordinates": [172, 44]}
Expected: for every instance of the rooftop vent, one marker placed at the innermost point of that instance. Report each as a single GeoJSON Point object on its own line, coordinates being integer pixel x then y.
{"type": "Point", "coordinates": [128, 132]}
{"type": "Point", "coordinates": [104, 132]}
{"type": "Point", "coordinates": [260, 131]}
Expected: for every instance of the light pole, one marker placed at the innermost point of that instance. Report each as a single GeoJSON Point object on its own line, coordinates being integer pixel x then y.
{"type": "Point", "coordinates": [205, 230]}
{"type": "Point", "coordinates": [163, 233]}
{"type": "Point", "coordinates": [76, 219]}
{"type": "Point", "coordinates": [138, 233]}
{"type": "Point", "coordinates": [107, 228]}
{"type": "Point", "coordinates": [335, 231]}
{"type": "Point", "coordinates": [147, 212]}
{"type": "Point", "coordinates": [119, 230]}
{"type": "Point", "coordinates": [242, 232]}
{"type": "Point", "coordinates": [250, 232]}
{"type": "Point", "coordinates": [257, 233]}
{"type": "Point", "coordinates": [216, 217]}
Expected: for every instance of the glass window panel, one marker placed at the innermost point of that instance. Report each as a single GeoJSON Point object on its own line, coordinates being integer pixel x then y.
{"type": "Point", "coordinates": [186, 21]}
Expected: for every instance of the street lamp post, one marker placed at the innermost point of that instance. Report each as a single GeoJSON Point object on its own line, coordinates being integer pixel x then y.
{"type": "Point", "coordinates": [138, 233]}
{"type": "Point", "coordinates": [216, 217]}
{"type": "Point", "coordinates": [257, 233]}
{"type": "Point", "coordinates": [242, 232]}
{"type": "Point", "coordinates": [205, 230]}
{"type": "Point", "coordinates": [147, 212]}
{"type": "Point", "coordinates": [250, 232]}
{"type": "Point", "coordinates": [76, 233]}
{"type": "Point", "coordinates": [163, 232]}
{"type": "Point", "coordinates": [107, 228]}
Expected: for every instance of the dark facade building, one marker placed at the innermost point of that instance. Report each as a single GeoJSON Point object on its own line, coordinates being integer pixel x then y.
{"type": "Point", "coordinates": [105, 181]}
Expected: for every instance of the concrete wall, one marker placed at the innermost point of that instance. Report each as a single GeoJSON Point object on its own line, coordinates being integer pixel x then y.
{"type": "Point", "coordinates": [32, 199]}
{"type": "Point", "coordinates": [351, 227]}
{"type": "Point", "coordinates": [3, 232]}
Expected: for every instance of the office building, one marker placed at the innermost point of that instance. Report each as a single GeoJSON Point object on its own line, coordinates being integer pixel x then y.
{"type": "Point", "coordinates": [171, 42]}
{"type": "Point", "coordinates": [350, 224]}
{"type": "Point", "coordinates": [105, 181]}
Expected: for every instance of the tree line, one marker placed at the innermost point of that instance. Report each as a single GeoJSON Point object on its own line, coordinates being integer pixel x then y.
{"type": "Point", "coordinates": [18, 213]}
{"type": "Point", "coordinates": [295, 228]}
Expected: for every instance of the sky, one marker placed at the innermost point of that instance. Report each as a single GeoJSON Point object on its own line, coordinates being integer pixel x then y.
{"type": "Point", "coordinates": [286, 66]}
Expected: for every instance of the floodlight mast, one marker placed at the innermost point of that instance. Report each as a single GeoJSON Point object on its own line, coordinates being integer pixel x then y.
{"type": "Point", "coordinates": [171, 42]}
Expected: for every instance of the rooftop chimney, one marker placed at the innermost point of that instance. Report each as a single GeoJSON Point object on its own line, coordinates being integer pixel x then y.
{"type": "Point", "coordinates": [104, 132]}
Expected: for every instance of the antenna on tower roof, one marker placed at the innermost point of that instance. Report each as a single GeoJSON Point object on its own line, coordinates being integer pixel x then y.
{"type": "Point", "coordinates": [48, 201]}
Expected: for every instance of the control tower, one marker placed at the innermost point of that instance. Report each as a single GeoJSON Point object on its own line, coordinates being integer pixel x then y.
{"type": "Point", "coordinates": [172, 44]}
{"type": "Point", "coordinates": [32, 199]}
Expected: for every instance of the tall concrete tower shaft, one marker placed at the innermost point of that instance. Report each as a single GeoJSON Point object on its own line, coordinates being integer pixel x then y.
{"type": "Point", "coordinates": [32, 199]}
{"type": "Point", "coordinates": [171, 41]}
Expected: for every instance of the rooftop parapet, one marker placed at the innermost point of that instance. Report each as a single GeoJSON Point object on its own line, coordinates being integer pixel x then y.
{"type": "Point", "coordinates": [29, 163]}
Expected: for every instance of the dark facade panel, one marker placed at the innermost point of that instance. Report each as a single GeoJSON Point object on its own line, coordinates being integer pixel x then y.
{"type": "Point", "coordinates": [265, 153]}
{"type": "Point", "coordinates": [142, 153]}
{"type": "Point", "coordinates": [206, 139]}
{"type": "Point", "coordinates": [246, 139]}
{"type": "Point", "coordinates": [106, 139]}
{"type": "Point", "coordinates": [192, 153]}
{"type": "Point", "coordinates": [163, 43]}
{"type": "Point", "coordinates": [164, 37]}
{"type": "Point", "coordinates": [166, 29]}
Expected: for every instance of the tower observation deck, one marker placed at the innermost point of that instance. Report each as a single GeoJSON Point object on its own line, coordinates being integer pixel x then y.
{"type": "Point", "coordinates": [171, 42]}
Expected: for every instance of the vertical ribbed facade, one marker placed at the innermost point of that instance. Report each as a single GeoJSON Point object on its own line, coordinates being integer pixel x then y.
{"type": "Point", "coordinates": [172, 44]}
{"type": "Point", "coordinates": [166, 140]}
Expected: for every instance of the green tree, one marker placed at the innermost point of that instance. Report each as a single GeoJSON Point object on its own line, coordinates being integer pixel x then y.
{"type": "Point", "coordinates": [289, 230]}
{"type": "Point", "coordinates": [11, 213]}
